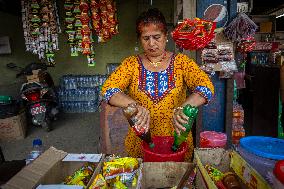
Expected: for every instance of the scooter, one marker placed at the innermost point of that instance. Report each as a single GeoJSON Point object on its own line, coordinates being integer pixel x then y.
{"type": "Point", "coordinates": [38, 94]}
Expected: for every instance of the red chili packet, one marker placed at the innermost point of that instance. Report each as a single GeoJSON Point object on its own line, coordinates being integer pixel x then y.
{"type": "Point", "coordinates": [194, 34]}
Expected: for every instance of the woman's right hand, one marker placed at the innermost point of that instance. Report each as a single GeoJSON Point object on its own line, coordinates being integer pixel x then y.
{"type": "Point", "coordinates": [143, 119]}
{"type": "Point", "coordinates": [179, 118]}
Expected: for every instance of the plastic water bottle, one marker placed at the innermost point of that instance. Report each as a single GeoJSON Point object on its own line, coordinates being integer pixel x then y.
{"type": "Point", "coordinates": [36, 151]}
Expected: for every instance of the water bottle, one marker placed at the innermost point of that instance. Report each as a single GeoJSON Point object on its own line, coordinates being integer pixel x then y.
{"type": "Point", "coordinates": [36, 151]}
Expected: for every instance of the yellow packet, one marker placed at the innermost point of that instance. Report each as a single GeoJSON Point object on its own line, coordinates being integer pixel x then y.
{"type": "Point", "coordinates": [119, 185]}
{"type": "Point", "coordinates": [120, 165]}
{"type": "Point", "coordinates": [99, 182]}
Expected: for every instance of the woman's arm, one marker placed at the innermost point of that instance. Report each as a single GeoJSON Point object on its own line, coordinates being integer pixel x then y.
{"type": "Point", "coordinates": [179, 118]}
{"type": "Point", "coordinates": [143, 116]}
{"type": "Point", "coordinates": [114, 87]}
{"type": "Point", "coordinates": [121, 100]}
{"type": "Point", "coordinates": [194, 99]}
{"type": "Point", "coordinates": [201, 87]}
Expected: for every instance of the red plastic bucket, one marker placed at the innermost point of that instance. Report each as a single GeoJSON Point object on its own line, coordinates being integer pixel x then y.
{"type": "Point", "coordinates": [162, 150]}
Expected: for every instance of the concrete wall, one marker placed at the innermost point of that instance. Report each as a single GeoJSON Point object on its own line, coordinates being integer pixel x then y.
{"type": "Point", "coordinates": [113, 51]}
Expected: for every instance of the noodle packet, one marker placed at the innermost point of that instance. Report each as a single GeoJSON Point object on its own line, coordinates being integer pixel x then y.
{"type": "Point", "coordinates": [99, 183]}
{"type": "Point", "coordinates": [82, 176]}
{"type": "Point", "coordinates": [119, 166]}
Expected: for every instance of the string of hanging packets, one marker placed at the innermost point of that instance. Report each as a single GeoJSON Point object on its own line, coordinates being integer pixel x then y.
{"type": "Point", "coordinates": [41, 27]}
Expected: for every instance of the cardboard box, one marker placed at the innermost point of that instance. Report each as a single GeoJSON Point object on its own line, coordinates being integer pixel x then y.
{"type": "Point", "coordinates": [157, 174]}
{"type": "Point", "coordinates": [46, 169]}
{"type": "Point", "coordinates": [114, 128]}
{"type": "Point", "coordinates": [13, 128]}
{"type": "Point", "coordinates": [163, 174]}
{"type": "Point", "coordinates": [225, 161]}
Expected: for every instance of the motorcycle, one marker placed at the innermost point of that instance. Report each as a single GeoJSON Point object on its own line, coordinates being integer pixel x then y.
{"type": "Point", "coordinates": [38, 94]}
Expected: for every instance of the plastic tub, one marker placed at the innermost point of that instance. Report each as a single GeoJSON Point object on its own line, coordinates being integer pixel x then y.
{"type": "Point", "coordinates": [261, 152]}
{"type": "Point", "coordinates": [212, 139]}
{"type": "Point", "coordinates": [266, 147]}
{"type": "Point", "coordinates": [262, 165]}
{"type": "Point", "coordinates": [162, 150]}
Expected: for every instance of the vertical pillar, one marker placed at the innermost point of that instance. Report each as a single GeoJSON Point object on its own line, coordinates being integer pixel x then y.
{"type": "Point", "coordinates": [229, 109]}
{"type": "Point", "coordinates": [189, 11]}
{"type": "Point", "coordinates": [213, 115]}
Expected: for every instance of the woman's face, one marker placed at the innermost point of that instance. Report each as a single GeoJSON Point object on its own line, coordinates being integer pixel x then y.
{"type": "Point", "coordinates": [153, 40]}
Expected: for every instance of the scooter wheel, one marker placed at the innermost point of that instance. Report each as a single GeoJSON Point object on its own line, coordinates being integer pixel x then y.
{"type": "Point", "coordinates": [46, 125]}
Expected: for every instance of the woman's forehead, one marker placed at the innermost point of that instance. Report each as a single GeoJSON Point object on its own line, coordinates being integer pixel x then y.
{"type": "Point", "coordinates": [151, 29]}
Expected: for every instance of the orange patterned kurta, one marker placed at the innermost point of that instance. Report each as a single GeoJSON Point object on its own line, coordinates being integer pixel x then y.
{"type": "Point", "coordinates": [183, 73]}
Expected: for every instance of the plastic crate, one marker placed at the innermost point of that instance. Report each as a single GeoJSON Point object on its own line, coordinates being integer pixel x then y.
{"type": "Point", "coordinates": [262, 165]}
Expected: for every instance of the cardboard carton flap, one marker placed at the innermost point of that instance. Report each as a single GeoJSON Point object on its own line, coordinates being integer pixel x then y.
{"type": "Point", "coordinates": [95, 158]}
{"type": "Point", "coordinates": [163, 174]}
{"type": "Point", "coordinates": [31, 175]}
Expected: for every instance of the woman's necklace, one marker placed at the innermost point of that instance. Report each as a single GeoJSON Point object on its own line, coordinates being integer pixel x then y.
{"type": "Point", "coordinates": [157, 63]}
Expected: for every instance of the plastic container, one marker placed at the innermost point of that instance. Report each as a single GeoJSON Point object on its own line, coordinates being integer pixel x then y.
{"type": "Point", "coordinates": [9, 108]}
{"type": "Point", "coordinates": [5, 99]}
{"type": "Point", "coordinates": [261, 165]}
{"type": "Point", "coordinates": [212, 139]}
{"type": "Point", "coordinates": [162, 151]}
{"type": "Point", "coordinates": [35, 152]}
{"type": "Point", "coordinates": [262, 152]}
{"type": "Point", "coordinates": [266, 147]}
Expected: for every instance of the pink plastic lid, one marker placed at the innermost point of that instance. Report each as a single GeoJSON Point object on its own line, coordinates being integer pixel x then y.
{"type": "Point", "coordinates": [213, 139]}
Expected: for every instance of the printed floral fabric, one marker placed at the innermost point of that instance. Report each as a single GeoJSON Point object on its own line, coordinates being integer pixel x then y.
{"type": "Point", "coordinates": [159, 92]}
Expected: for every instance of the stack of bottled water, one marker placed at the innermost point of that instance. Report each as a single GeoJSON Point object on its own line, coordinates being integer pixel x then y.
{"type": "Point", "coordinates": [111, 67]}
{"type": "Point", "coordinates": [80, 93]}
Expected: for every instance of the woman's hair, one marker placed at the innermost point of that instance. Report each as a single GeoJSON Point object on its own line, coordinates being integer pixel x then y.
{"type": "Point", "coordinates": [151, 16]}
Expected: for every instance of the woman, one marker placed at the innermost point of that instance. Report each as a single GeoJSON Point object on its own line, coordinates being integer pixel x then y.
{"type": "Point", "coordinates": [156, 82]}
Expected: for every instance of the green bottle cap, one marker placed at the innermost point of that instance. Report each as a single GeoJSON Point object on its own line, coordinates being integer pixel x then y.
{"type": "Point", "coordinates": [174, 148]}
{"type": "Point", "coordinates": [152, 145]}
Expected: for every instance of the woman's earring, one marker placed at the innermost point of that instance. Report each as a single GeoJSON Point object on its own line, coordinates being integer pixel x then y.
{"type": "Point", "coordinates": [167, 40]}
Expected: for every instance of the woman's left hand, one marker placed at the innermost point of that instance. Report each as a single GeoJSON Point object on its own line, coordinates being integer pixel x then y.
{"type": "Point", "coordinates": [179, 118]}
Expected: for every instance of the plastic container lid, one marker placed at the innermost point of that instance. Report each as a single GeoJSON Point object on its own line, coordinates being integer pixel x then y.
{"type": "Point", "coordinates": [37, 142]}
{"type": "Point", "coordinates": [267, 147]}
{"type": "Point", "coordinates": [211, 139]}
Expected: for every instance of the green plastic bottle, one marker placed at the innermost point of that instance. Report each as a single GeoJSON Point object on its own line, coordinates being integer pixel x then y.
{"type": "Point", "coordinates": [191, 113]}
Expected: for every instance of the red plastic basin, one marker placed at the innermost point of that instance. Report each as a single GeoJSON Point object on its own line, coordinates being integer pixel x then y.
{"type": "Point", "coordinates": [162, 150]}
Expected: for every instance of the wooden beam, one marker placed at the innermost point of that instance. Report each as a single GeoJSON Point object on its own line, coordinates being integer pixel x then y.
{"type": "Point", "coordinates": [229, 110]}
